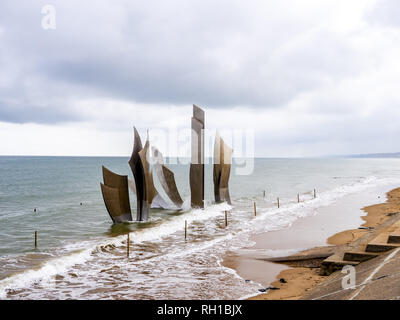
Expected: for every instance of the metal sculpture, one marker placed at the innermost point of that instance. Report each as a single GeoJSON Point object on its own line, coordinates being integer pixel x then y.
{"type": "Point", "coordinates": [115, 188]}
{"type": "Point", "coordinates": [151, 191]}
{"type": "Point", "coordinates": [167, 179]}
{"type": "Point", "coordinates": [116, 196]}
{"type": "Point", "coordinates": [196, 175]}
{"type": "Point", "coordinates": [222, 169]}
{"type": "Point", "coordinates": [158, 201]}
{"type": "Point", "coordinates": [144, 185]}
{"type": "Point", "coordinates": [135, 163]}
{"type": "Point", "coordinates": [132, 186]}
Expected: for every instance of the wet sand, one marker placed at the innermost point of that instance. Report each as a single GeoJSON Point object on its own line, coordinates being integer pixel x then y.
{"type": "Point", "coordinates": [376, 215]}
{"type": "Point", "coordinates": [321, 233]}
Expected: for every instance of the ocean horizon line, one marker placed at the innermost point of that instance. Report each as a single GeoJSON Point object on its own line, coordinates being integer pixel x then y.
{"type": "Point", "coordinates": [366, 155]}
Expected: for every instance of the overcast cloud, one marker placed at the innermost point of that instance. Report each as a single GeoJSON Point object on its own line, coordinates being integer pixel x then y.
{"type": "Point", "coordinates": [311, 77]}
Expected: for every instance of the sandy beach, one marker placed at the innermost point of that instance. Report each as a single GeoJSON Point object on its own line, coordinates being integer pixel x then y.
{"type": "Point", "coordinates": [297, 276]}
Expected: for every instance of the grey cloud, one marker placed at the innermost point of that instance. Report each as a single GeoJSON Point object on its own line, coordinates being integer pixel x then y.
{"type": "Point", "coordinates": [385, 13]}
{"type": "Point", "coordinates": [35, 114]}
{"type": "Point", "coordinates": [214, 54]}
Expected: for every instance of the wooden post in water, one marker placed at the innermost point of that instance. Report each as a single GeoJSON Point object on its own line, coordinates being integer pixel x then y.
{"type": "Point", "coordinates": [226, 218]}
{"type": "Point", "coordinates": [35, 239]}
{"type": "Point", "coordinates": [278, 203]}
{"type": "Point", "coordinates": [315, 193]}
{"type": "Point", "coordinates": [264, 193]}
{"type": "Point", "coordinates": [298, 198]}
{"type": "Point", "coordinates": [255, 209]}
{"type": "Point", "coordinates": [127, 246]}
{"type": "Point", "coordinates": [185, 229]}
{"type": "Point", "coordinates": [34, 210]}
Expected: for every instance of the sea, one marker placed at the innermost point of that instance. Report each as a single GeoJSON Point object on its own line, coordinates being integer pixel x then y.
{"type": "Point", "coordinates": [81, 254]}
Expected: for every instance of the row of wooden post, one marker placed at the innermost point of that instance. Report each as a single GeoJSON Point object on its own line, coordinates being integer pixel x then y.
{"type": "Point", "coordinates": [298, 196]}
{"type": "Point", "coordinates": [226, 218]}
{"type": "Point", "coordinates": [278, 201]}
{"type": "Point", "coordinates": [226, 223]}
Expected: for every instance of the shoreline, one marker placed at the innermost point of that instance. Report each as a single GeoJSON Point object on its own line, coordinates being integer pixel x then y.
{"type": "Point", "coordinates": [300, 280]}
{"type": "Point", "coordinates": [294, 276]}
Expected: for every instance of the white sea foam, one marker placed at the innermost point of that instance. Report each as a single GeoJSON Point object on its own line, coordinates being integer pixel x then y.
{"type": "Point", "coordinates": [267, 219]}
{"type": "Point", "coordinates": [44, 272]}
{"type": "Point", "coordinates": [62, 264]}
{"type": "Point", "coordinates": [284, 216]}
{"type": "Point", "coordinates": [178, 222]}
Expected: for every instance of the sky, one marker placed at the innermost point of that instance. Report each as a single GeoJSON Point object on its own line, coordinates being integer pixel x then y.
{"type": "Point", "coordinates": [306, 78]}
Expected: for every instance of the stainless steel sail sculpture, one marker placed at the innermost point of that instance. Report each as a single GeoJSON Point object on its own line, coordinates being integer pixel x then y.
{"type": "Point", "coordinates": [145, 190]}
{"type": "Point", "coordinates": [151, 191]}
{"type": "Point", "coordinates": [115, 187]}
{"type": "Point", "coordinates": [116, 196]}
{"type": "Point", "coordinates": [196, 175]}
{"type": "Point", "coordinates": [158, 201]}
{"type": "Point", "coordinates": [167, 179]}
{"type": "Point", "coordinates": [138, 172]}
{"type": "Point", "coordinates": [222, 169]}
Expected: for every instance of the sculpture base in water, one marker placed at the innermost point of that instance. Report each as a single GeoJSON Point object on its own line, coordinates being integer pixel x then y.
{"type": "Point", "coordinates": [116, 196]}
{"type": "Point", "coordinates": [196, 175]}
{"type": "Point", "coordinates": [222, 169]}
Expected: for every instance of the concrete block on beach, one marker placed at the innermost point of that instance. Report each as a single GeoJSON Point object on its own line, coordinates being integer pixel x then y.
{"type": "Point", "coordinates": [394, 238]}
{"type": "Point", "coordinates": [358, 256]}
{"type": "Point", "coordinates": [338, 262]}
{"type": "Point", "coordinates": [380, 244]}
{"type": "Point", "coordinates": [380, 247]}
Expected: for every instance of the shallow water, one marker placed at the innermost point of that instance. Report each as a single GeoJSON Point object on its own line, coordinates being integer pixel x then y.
{"type": "Point", "coordinates": [81, 255]}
